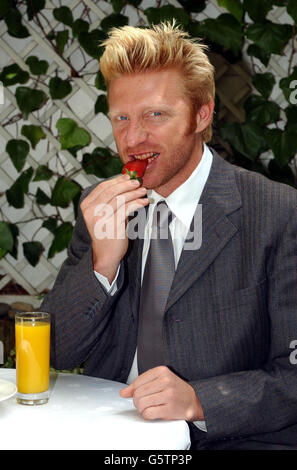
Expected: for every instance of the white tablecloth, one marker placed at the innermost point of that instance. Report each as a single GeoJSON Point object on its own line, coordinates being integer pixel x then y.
{"type": "Point", "coordinates": [84, 413]}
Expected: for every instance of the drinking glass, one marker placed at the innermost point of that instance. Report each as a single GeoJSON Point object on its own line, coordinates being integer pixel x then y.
{"type": "Point", "coordinates": [32, 343]}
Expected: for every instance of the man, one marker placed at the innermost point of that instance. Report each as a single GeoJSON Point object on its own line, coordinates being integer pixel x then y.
{"type": "Point", "coordinates": [230, 316]}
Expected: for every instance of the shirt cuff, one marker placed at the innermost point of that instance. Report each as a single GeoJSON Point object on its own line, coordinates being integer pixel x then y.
{"type": "Point", "coordinates": [110, 288]}
{"type": "Point", "coordinates": [200, 425]}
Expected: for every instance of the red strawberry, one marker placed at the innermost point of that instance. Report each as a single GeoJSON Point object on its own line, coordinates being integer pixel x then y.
{"type": "Point", "coordinates": [135, 169]}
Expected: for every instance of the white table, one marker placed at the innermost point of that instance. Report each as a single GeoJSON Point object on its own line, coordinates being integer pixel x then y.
{"type": "Point", "coordinates": [84, 413]}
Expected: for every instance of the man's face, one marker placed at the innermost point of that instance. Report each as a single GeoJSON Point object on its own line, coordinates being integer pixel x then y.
{"type": "Point", "coordinates": [150, 115]}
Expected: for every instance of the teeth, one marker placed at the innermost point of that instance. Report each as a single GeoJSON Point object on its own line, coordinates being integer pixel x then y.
{"type": "Point", "coordinates": [145, 156]}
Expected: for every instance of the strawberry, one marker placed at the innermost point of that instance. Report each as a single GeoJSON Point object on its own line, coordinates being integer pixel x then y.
{"type": "Point", "coordinates": [135, 169]}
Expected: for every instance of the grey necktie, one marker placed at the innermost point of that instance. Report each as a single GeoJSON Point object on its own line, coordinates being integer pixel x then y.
{"type": "Point", "coordinates": [157, 279]}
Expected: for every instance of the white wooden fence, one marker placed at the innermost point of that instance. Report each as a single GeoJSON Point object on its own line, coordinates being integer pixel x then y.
{"type": "Point", "coordinates": [80, 107]}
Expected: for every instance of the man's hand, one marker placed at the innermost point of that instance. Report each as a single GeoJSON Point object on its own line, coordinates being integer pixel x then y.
{"type": "Point", "coordinates": [159, 393]}
{"type": "Point", "coordinates": [105, 211]}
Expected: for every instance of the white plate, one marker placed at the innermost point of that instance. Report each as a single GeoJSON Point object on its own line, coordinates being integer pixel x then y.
{"type": "Point", "coordinates": [7, 389]}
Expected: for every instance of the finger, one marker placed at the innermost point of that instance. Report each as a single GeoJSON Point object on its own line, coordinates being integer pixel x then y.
{"type": "Point", "coordinates": [155, 412]}
{"type": "Point", "coordinates": [147, 389]}
{"type": "Point", "coordinates": [150, 375]}
{"type": "Point", "coordinates": [106, 210]}
{"type": "Point", "coordinates": [111, 224]}
{"type": "Point", "coordinates": [105, 185]}
{"type": "Point", "coordinates": [108, 190]}
{"type": "Point", "coordinates": [144, 402]}
{"type": "Point", "coordinates": [127, 392]}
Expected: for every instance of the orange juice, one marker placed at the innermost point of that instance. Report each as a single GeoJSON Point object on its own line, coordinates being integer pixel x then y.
{"type": "Point", "coordinates": [32, 342]}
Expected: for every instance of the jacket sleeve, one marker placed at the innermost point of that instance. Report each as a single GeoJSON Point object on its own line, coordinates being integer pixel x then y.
{"type": "Point", "coordinates": [79, 305]}
{"type": "Point", "coordinates": [262, 400]}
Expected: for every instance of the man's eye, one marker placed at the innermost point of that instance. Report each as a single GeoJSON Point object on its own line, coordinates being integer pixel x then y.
{"type": "Point", "coordinates": [156, 113]}
{"type": "Point", "coordinates": [122, 118]}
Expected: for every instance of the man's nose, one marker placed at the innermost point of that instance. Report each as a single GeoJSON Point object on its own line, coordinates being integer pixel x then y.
{"type": "Point", "coordinates": [136, 134]}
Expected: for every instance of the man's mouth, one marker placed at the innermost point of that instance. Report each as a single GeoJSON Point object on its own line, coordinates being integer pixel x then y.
{"type": "Point", "coordinates": [150, 156]}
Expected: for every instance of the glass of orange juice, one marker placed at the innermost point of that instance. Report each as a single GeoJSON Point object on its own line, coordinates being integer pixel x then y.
{"type": "Point", "coordinates": [32, 345]}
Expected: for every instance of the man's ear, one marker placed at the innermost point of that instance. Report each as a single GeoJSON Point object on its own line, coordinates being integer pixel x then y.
{"type": "Point", "coordinates": [204, 116]}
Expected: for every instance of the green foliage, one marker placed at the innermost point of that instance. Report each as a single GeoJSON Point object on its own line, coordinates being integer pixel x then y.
{"type": "Point", "coordinates": [6, 238]}
{"type": "Point", "coordinates": [29, 100]}
{"type": "Point", "coordinates": [18, 150]}
{"type": "Point", "coordinates": [242, 25]}
{"type": "Point", "coordinates": [71, 135]}
{"type": "Point", "coordinates": [32, 252]}
{"type": "Point", "coordinates": [224, 30]}
{"type": "Point", "coordinates": [13, 74]}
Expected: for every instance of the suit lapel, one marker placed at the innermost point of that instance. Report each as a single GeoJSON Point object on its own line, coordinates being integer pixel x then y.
{"type": "Point", "coordinates": [220, 198]}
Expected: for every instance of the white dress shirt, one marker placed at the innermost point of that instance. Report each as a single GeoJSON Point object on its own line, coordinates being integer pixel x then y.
{"type": "Point", "coordinates": [183, 204]}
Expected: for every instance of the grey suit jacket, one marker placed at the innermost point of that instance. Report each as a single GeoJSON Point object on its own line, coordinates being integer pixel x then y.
{"type": "Point", "coordinates": [230, 318]}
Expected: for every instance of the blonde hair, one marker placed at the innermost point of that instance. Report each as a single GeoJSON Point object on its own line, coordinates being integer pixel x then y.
{"type": "Point", "coordinates": [130, 50]}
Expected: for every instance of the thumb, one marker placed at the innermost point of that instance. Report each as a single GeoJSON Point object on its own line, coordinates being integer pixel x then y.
{"type": "Point", "coordinates": [127, 392]}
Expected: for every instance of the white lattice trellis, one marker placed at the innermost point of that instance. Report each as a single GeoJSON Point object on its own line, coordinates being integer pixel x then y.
{"type": "Point", "coordinates": [80, 107]}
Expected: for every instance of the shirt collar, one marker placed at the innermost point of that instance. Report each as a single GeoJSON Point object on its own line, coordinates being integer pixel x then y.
{"type": "Point", "coordinates": [183, 201]}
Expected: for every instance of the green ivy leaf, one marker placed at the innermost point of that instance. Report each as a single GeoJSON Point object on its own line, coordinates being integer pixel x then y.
{"type": "Point", "coordinates": [18, 150]}
{"type": "Point", "coordinates": [64, 15]}
{"type": "Point", "coordinates": [71, 135]}
{"type": "Point", "coordinates": [101, 105]}
{"type": "Point", "coordinates": [286, 84]}
{"type": "Point", "coordinates": [100, 82]}
{"type": "Point", "coordinates": [59, 88]}
{"type": "Point", "coordinates": [33, 133]}
{"type": "Point", "coordinates": [292, 9]}
{"type": "Point", "coordinates": [257, 10]}
{"type": "Point", "coordinates": [29, 100]}
{"type": "Point", "coordinates": [61, 39]}
{"type": "Point", "coordinates": [118, 5]}
{"type": "Point", "coordinates": [90, 42]}
{"type": "Point", "coordinates": [165, 13]}
{"type": "Point", "coordinates": [37, 67]}
{"type": "Point", "coordinates": [279, 3]}
{"type": "Point", "coordinates": [135, 3]}
{"type": "Point", "coordinates": [281, 174]}
{"type": "Point", "coordinates": [33, 252]}
{"type": "Point", "coordinates": [64, 191]}
{"type": "Point", "coordinates": [50, 224]}
{"type": "Point", "coordinates": [234, 7]}
{"type": "Point", "coordinates": [291, 113]}
{"type": "Point", "coordinates": [33, 7]}
{"type": "Point", "coordinates": [246, 138]}
{"type": "Point", "coordinates": [6, 238]}
{"type": "Point", "coordinates": [270, 37]}
{"type": "Point", "coordinates": [5, 6]}
{"type": "Point", "coordinates": [42, 198]}
{"type": "Point", "coordinates": [193, 6]}
{"type": "Point", "coordinates": [42, 173]}
{"type": "Point", "coordinates": [13, 20]}
{"type": "Point", "coordinates": [256, 51]}
{"type": "Point", "coordinates": [264, 83]}
{"type": "Point", "coordinates": [224, 30]}
{"type": "Point", "coordinates": [261, 111]}
{"type": "Point", "coordinates": [101, 163]}
{"type": "Point", "coordinates": [13, 74]}
{"type": "Point", "coordinates": [283, 144]}
{"type": "Point", "coordinates": [114, 20]}
{"type": "Point", "coordinates": [79, 26]}
{"type": "Point", "coordinates": [15, 194]}
{"type": "Point", "coordinates": [15, 233]}
{"type": "Point", "coordinates": [62, 237]}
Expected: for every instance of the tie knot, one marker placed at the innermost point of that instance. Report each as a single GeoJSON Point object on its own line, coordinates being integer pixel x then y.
{"type": "Point", "coordinates": [162, 218]}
